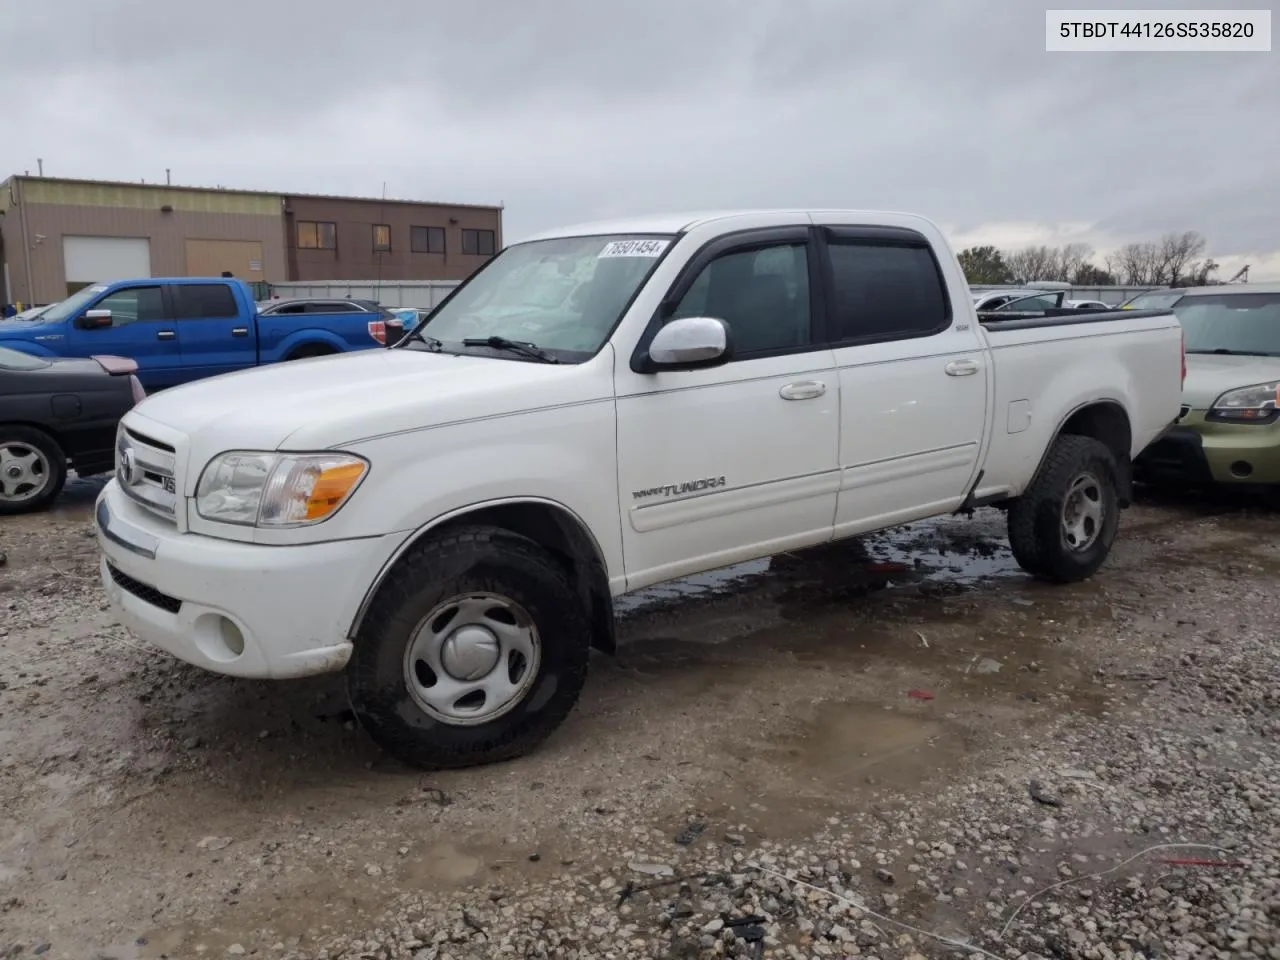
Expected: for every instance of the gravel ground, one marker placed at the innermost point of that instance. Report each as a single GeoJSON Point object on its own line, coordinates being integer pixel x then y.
{"type": "Point", "coordinates": [901, 748]}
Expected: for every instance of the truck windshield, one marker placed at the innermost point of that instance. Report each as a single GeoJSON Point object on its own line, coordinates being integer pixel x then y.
{"type": "Point", "coordinates": [69, 307]}
{"type": "Point", "coordinates": [565, 295]}
{"type": "Point", "coordinates": [1243, 323]}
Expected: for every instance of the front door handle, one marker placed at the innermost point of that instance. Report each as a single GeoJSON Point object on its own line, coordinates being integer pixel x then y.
{"type": "Point", "coordinates": [239, 331]}
{"type": "Point", "coordinates": [166, 335]}
{"type": "Point", "coordinates": [961, 368]}
{"type": "Point", "coordinates": [803, 390]}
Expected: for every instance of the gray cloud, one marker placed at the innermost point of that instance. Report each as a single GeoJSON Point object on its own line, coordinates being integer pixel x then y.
{"type": "Point", "coordinates": [572, 109]}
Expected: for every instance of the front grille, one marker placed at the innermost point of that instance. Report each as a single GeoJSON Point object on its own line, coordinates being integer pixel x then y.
{"type": "Point", "coordinates": [145, 468]}
{"type": "Point", "coordinates": [144, 593]}
{"type": "Point", "coordinates": [148, 441]}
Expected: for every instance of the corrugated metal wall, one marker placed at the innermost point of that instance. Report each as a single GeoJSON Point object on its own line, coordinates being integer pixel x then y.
{"type": "Point", "coordinates": [168, 233]}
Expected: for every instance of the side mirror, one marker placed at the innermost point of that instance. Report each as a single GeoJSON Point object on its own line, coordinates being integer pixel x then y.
{"type": "Point", "coordinates": [94, 320]}
{"type": "Point", "coordinates": [690, 343]}
{"type": "Point", "coordinates": [394, 331]}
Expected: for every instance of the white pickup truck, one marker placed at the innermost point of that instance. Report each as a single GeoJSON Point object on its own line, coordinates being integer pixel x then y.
{"type": "Point", "coordinates": [595, 410]}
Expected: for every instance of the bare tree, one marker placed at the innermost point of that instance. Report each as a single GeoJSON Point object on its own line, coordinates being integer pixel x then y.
{"type": "Point", "coordinates": [1177, 253]}
{"type": "Point", "coordinates": [1030, 264]}
{"type": "Point", "coordinates": [1172, 261]}
{"type": "Point", "coordinates": [1136, 264]}
{"type": "Point", "coordinates": [1074, 257]}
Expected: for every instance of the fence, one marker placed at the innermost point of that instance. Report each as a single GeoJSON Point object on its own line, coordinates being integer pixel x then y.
{"type": "Point", "coordinates": [390, 293]}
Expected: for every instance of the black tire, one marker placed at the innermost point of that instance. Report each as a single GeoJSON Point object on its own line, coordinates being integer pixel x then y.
{"type": "Point", "coordinates": [311, 350]}
{"type": "Point", "coordinates": [461, 562]}
{"type": "Point", "coordinates": [1036, 519]}
{"type": "Point", "coordinates": [52, 466]}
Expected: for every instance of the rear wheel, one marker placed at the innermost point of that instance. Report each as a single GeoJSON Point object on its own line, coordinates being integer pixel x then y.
{"type": "Point", "coordinates": [474, 650]}
{"type": "Point", "coordinates": [33, 469]}
{"type": "Point", "coordinates": [1063, 526]}
{"type": "Point", "coordinates": [311, 350]}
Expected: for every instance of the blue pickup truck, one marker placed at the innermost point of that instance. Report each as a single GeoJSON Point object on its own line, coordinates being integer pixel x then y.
{"type": "Point", "coordinates": [188, 328]}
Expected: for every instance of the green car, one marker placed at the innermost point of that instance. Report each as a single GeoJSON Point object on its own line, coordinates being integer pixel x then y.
{"type": "Point", "coordinates": [1229, 428]}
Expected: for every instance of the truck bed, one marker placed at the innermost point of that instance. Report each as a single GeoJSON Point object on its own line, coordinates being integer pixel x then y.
{"type": "Point", "coordinates": [1038, 362]}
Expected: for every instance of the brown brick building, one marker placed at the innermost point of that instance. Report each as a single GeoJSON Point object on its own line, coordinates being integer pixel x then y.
{"type": "Point", "coordinates": [57, 235]}
{"type": "Point", "coordinates": [345, 238]}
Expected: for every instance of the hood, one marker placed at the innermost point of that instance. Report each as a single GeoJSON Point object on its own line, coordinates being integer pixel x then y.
{"type": "Point", "coordinates": [11, 329]}
{"type": "Point", "coordinates": [330, 401]}
{"type": "Point", "coordinates": [1210, 375]}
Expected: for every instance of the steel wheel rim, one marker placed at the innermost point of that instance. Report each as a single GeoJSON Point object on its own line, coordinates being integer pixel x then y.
{"type": "Point", "coordinates": [1083, 513]}
{"type": "Point", "coordinates": [25, 471]}
{"type": "Point", "coordinates": [473, 658]}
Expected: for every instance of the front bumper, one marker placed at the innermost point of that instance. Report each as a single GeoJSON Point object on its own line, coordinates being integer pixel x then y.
{"type": "Point", "coordinates": [1199, 452]}
{"type": "Point", "coordinates": [241, 609]}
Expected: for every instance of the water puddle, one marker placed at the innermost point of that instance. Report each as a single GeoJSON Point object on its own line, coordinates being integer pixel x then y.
{"type": "Point", "coordinates": [940, 556]}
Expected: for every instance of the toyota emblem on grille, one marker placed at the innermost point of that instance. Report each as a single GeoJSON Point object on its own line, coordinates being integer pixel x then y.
{"type": "Point", "coordinates": [129, 471]}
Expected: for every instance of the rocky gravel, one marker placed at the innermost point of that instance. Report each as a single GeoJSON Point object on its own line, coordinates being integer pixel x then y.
{"type": "Point", "coordinates": [1087, 772]}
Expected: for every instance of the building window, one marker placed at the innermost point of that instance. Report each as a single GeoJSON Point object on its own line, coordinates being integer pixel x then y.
{"type": "Point", "coordinates": [381, 238]}
{"type": "Point", "coordinates": [426, 239]}
{"type": "Point", "coordinates": [317, 235]}
{"type": "Point", "coordinates": [480, 242]}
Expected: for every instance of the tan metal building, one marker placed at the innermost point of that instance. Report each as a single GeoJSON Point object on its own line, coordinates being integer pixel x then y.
{"type": "Point", "coordinates": [57, 235]}
{"type": "Point", "coordinates": [349, 238]}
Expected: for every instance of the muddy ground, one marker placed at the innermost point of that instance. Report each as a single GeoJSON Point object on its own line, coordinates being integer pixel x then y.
{"type": "Point", "coordinates": [785, 708]}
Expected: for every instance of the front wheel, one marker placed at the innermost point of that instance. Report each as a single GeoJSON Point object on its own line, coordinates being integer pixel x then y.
{"type": "Point", "coordinates": [474, 650]}
{"type": "Point", "coordinates": [1063, 525]}
{"type": "Point", "coordinates": [33, 469]}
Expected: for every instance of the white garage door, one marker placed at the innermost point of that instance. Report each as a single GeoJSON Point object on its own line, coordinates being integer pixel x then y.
{"type": "Point", "coordinates": [92, 259]}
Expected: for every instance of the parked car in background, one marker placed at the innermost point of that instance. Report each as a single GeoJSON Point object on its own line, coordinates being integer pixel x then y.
{"type": "Point", "coordinates": [991, 299]}
{"type": "Point", "coordinates": [324, 307]}
{"type": "Point", "coordinates": [1087, 305]}
{"type": "Point", "coordinates": [450, 520]}
{"type": "Point", "coordinates": [31, 313]}
{"type": "Point", "coordinates": [1228, 430]}
{"type": "Point", "coordinates": [186, 328]}
{"type": "Point", "coordinates": [54, 412]}
{"type": "Point", "coordinates": [1153, 300]}
{"type": "Point", "coordinates": [1031, 303]}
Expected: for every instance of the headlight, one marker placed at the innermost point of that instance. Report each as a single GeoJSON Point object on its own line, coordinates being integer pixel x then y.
{"type": "Point", "coordinates": [1256, 404]}
{"type": "Point", "coordinates": [277, 489]}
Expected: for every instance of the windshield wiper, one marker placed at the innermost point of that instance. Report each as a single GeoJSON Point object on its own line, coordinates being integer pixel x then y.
{"type": "Point", "coordinates": [521, 347]}
{"type": "Point", "coordinates": [431, 343]}
{"type": "Point", "coordinates": [1224, 352]}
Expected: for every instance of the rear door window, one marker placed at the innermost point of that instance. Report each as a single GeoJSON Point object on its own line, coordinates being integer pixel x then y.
{"type": "Point", "coordinates": [205, 301]}
{"type": "Point", "coordinates": [884, 291]}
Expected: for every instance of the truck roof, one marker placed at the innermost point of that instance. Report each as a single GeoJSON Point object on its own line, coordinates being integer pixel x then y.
{"type": "Point", "coordinates": [678, 222]}
{"type": "Point", "coordinates": [109, 283]}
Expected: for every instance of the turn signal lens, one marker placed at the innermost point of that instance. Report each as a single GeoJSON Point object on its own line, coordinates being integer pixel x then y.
{"type": "Point", "coordinates": [331, 488]}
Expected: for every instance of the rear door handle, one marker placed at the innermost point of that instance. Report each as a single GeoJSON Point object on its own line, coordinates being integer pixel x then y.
{"type": "Point", "coordinates": [803, 390]}
{"type": "Point", "coordinates": [961, 368]}
{"type": "Point", "coordinates": [166, 335]}
{"type": "Point", "coordinates": [239, 331]}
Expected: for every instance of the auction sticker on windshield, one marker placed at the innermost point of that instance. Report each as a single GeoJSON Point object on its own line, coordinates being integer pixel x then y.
{"type": "Point", "coordinates": [633, 248]}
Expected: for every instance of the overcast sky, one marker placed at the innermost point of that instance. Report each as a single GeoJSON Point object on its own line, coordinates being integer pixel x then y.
{"type": "Point", "coordinates": [567, 110]}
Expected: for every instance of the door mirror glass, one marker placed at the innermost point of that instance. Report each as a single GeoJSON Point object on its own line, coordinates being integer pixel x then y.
{"type": "Point", "coordinates": [94, 320]}
{"type": "Point", "coordinates": [691, 342]}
